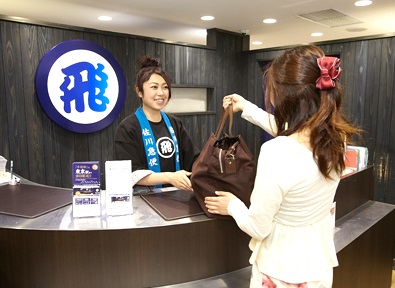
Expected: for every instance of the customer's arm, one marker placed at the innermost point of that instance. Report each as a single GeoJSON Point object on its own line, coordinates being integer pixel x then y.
{"type": "Point", "coordinates": [251, 112]}
{"type": "Point", "coordinates": [259, 117]}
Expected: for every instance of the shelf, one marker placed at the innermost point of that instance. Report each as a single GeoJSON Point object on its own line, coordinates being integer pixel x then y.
{"type": "Point", "coordinates": [191, 86]}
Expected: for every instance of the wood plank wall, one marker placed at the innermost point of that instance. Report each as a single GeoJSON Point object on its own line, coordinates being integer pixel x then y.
{"type": "Point", "coordinates": [43, 151]}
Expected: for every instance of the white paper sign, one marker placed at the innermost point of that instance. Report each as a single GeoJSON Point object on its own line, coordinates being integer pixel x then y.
{"type": "Point", "coordinates": [86, 206]}
{"type": "Point", "coordinates": [119, 187]}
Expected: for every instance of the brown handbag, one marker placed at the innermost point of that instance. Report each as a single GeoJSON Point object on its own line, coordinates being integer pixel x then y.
{"type": "Point", "coordinates": [224, 164]}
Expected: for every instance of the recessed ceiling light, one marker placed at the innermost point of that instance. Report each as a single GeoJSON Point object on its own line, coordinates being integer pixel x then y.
{"type": "Point", "coordinates": [207, 18]}
{"type": "Point", "coordinates": [363, 3]}
{"type": "Point", "coordinates": [256, 43]}
{"type": "Point", "coordinates": [104, 18]}
{"type": "Point", "coordinates": [269, 21]}
{"type": "Point", "coordinates": [316, 34]}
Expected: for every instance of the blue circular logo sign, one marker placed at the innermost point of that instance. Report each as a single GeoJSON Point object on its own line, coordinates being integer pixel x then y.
{"type": "Point", "coordinates": [80, 86]}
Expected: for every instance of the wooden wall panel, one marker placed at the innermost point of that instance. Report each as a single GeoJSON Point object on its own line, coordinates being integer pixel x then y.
{"type": "Point", "coordinates": [43, 151]}
{"type": "Point", "coordinates": [5, 144]}
{"type": "Point", "coordinates": [58, 143]}
{"type": "Point", "coordinates": [389, 196]}
{"type": "Point", "coordinates": [35, 133]}
{"type": "Point", "coordinates": [15, 103]}
{"type": "Point", "coordinates": [199, 127]}
{"type": "Point", "coordinates": [386, 117]}
{"type": "Point", "coordinates": [229, 75]}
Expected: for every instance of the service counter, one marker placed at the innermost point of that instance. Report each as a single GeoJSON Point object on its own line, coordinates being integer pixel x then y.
{"type": "Point", "coordinates": [144, 250]}
{"type": "Point", "coordinates": [137, 250]}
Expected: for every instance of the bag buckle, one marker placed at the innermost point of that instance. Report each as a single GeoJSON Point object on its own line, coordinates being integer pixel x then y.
{"type": "Point", "coordinates": [230, 163]}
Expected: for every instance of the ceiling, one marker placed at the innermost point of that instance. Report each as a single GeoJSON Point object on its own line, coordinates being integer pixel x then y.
{"type": "Point", "coordinates": [179, 20]}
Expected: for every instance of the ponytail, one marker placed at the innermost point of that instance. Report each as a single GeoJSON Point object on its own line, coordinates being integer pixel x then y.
{"type": "Point", "coordinates": [304, 94]}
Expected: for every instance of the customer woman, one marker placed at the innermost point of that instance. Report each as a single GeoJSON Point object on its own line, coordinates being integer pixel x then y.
{"type": "Point", "coordinates": [289, 219]}
{"type": "Point", "coordinates": [160, 148]}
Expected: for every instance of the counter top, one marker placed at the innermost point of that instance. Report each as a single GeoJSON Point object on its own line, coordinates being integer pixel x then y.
{"type": "Point", "coordinates": [355, 223]}
{"type": "Point", "coordinates": [143, 216]}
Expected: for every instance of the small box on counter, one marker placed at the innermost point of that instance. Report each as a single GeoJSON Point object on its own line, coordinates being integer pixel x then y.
{"type": "Point", "coordinates": [356, 157]}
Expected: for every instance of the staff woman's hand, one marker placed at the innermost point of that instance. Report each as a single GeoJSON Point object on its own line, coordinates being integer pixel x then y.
{"type": "Point", "coordinates": [180, 179]}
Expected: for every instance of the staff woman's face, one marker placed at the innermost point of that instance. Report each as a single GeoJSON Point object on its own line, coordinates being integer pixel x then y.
{"type": "Point", "coordinates": [155, 93]}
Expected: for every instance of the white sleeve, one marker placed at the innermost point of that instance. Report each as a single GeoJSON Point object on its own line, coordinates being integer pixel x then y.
{"type": "Point", "coordinates": [266, 198]}
{"type": "Point", "coordinates": [137, 175]}
{"type": "Point", "coordinates": [259, 117]}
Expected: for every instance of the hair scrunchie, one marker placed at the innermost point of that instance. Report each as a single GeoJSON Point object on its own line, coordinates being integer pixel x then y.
{"type": "Point", "coordinates": [330, 72]}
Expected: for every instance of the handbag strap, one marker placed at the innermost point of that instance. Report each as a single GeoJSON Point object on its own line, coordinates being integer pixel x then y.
{"type": "Point", "coordinates": [228, 112]}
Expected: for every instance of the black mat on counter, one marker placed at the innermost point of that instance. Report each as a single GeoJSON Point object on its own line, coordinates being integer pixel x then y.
{"type": "Point", "coordinates": [30, 201]}
{"type": "Point", "coordinates": [174, 204]}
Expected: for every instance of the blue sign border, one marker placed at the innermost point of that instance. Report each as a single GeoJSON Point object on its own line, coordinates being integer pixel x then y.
{"type": "Point", "coordinates": [41, 80]}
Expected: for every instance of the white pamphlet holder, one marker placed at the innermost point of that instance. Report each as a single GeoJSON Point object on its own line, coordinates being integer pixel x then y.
{"type": "Point", "coordinates": [119, 187]}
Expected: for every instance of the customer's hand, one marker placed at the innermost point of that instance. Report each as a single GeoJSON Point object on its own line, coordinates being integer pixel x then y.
{"type": "Point", "coordinates": [219, 204]}
{"type": "Point", "coordinates": [237, 101]}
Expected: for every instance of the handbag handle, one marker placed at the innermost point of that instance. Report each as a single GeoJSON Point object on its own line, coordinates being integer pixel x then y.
{"type": "Point", "coordinates": [228, 112]}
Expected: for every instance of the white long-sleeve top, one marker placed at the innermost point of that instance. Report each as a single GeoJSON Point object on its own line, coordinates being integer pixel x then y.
{"type": "Point", "coordinates": [260, 117]}
{"type": "Point", "coordinates": [289, 218]}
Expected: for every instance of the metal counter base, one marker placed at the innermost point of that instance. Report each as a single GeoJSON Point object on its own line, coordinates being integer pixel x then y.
{"type": "Point", "coordinates": [236, 279]}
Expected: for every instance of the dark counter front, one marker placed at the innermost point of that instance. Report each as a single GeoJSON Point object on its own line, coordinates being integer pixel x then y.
{"type": "Point", "coordinates": [144, 257]}
{"type": "Point", "coordinates": [354, 190]}
{"type": "Point", "coordinates": [365, 243]}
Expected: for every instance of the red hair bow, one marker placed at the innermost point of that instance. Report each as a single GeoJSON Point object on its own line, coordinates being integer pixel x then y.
{"type": "Point", "coordinates": [330, 71]}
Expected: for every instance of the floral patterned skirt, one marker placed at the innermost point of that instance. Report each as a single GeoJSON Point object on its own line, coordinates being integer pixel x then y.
{"type": "Point", "coordinates": [261, 280]}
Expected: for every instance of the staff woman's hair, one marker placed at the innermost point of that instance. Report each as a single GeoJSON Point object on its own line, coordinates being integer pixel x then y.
{"type": "Point", "coordinates": [149, 66]}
